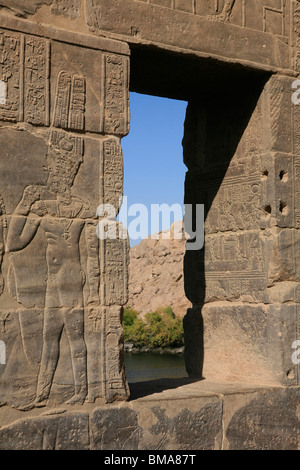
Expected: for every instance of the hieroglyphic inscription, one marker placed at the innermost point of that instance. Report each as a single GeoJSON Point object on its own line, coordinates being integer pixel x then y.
{"type": "Point", "coordinates": [236, 206]}
{"type": "Point", "coordinates": [296, 118]}
{"type": "Point", "coordinates": [10, 73]}
{"type": "Point", "coordinates": [112, 169]}
{"type": "Point", "coordinates": [115, 99]}
{"type": "Point", "coordinates": [234, 265]}
{"type": "Point", "coordinates": [233, 286]}
{"type": "Point", "coordinates": [80, 292]}
{"type": "Point", "coordinates": [57, 216]}
{"type": "Point", "coordinates": [68, 145]}
{"type": "Point", "coordinates": [93, 268]}
{"type": "Point", "coordinates": [24, 68]}
{"type": "Point", "coordinates": [296, 129]}
{"type": "Point", "coordinates": [242, 253]}
{"type": "Point", "coordinates": [95, 319]}
{"type": "Point", "coordinates": [296, 34]}
{"type": "Point", "coordinates": [36, 81]}
{"type": "Point", "coordinates": [297, 191]}
{"type": "Point", "coordinates": [94, 333]}
{"type": "Point", "coordinates": [234, 252]}
{"type": "Point", "coordinates": [70, 102]}
{"type": "Point", "coordinates": [114, 335]}
{"type": "Point", "coordinates": [114, 261]}
{"type": "Point", "coordinates": [77, 105]}
{"type": "Point", "coordinates": [61, 114]}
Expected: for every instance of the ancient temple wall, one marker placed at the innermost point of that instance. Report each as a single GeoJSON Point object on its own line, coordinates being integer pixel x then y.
{"type": "Point", "coordinates": [245, 293]}
{"type": "Point", "coordinates": [64, 108]}
{"type": "Point", "coordinates": [248, 277]}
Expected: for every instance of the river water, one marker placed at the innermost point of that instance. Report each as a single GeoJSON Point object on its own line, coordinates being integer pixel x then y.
{"type": "Point", "coordinates": [141, 367]}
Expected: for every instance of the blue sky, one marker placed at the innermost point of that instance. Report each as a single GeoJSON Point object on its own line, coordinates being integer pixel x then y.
{"type": "Point", "coordinates": [154, 171]}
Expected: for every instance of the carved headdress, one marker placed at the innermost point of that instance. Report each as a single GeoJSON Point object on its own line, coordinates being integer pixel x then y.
{"type": "Point", "coordinates": [65, 151]}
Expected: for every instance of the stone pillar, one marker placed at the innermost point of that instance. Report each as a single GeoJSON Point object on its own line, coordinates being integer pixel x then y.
{"type": "Point", "coordinates": [242, 152]}
{"type": "Point", "coordinates": [64, 107]}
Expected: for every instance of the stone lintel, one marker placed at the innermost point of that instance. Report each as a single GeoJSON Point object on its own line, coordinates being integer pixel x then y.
{"type": "Point", "coordinates": [70, 37]}
{"type": "Point", "coordinates": [144, 23]}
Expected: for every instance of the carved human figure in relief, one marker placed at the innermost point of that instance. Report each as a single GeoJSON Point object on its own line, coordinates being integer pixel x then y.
{"type": "Point", "coordinates": [223, 15]}
{"type": "Point", "coordinates": [62, 216]}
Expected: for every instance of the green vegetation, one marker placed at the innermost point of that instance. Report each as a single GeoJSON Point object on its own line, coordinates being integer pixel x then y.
{"type": "Point", "coordinates": [159, 329]}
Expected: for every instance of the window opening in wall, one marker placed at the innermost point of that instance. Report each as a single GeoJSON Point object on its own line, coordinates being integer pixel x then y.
{"type": "Point", "coordinates": [153, 208]}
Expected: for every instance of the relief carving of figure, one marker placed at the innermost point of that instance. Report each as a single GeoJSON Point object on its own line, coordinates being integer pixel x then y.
{"type": "Point", "coordinates": [225, 13]}
{"type": "Point", "coordinates": [61, 215]}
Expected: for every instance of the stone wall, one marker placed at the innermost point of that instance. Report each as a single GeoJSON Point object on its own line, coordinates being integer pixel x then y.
{"type": "Point", "coordinates": [64, 86]}
{"type": "Point", "coordinates": [244, 170]}
{"type": "Point", "coordinates": [64, 110]}
{"type": "Point", "coordinates": [191, 418]}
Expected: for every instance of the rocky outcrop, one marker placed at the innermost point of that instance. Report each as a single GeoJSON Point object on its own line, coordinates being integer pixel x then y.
{"type": "Point", "coordinates": [156, 272]}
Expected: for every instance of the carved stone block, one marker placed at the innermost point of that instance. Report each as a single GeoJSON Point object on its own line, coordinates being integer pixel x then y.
{"type": "Point", "coordinates": [264, 23]}
{"type": "Point", "coordinates": [114, 261]}
{"type": "Point", "coordinates": [112, 170]}
{"type": "Point", "coordinates": [62, 289]}
{"type": "Point", "coordinates": [115, 425]}
{"type": "Point", "coordinates": [115, 95]}
{"type": "Point", "coordinates": [249, 264]}
{"type": "Point", "coordinates": [25, 62]}
{"type": "Point", "coordinates": [47, 433]}
{"type": "Point", "coordinates": [250, 343]}
{"type": "Point", "coordinates": [64, 107]}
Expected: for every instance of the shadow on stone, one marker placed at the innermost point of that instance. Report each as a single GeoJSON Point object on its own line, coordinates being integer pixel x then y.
{"type": "Point", "coordinates": [214, 127]}
{"type": "Point", "coordinates": [147, 388]}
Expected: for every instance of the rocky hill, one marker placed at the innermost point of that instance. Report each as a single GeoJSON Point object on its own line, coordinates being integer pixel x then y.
{"type": "Point", "coordinates": [156, 273]}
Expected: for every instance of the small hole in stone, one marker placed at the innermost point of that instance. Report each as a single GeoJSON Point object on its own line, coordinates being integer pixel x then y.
{"type": "Point", "coordinates": [264, 175]}
{"type": "Point", "coordinates": [283, 208]}
{"type": "Point", "coordinates": [283, 175]}
{"type": "Point", "coordinates": [268, 209]}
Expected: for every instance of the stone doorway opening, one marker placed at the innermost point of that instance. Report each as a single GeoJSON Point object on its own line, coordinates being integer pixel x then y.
{"type": "Point", "coordinates": [153, 209]}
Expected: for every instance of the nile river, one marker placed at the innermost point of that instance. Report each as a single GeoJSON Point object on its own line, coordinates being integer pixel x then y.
{"type": "Point", "coordinates": [141, 367]}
